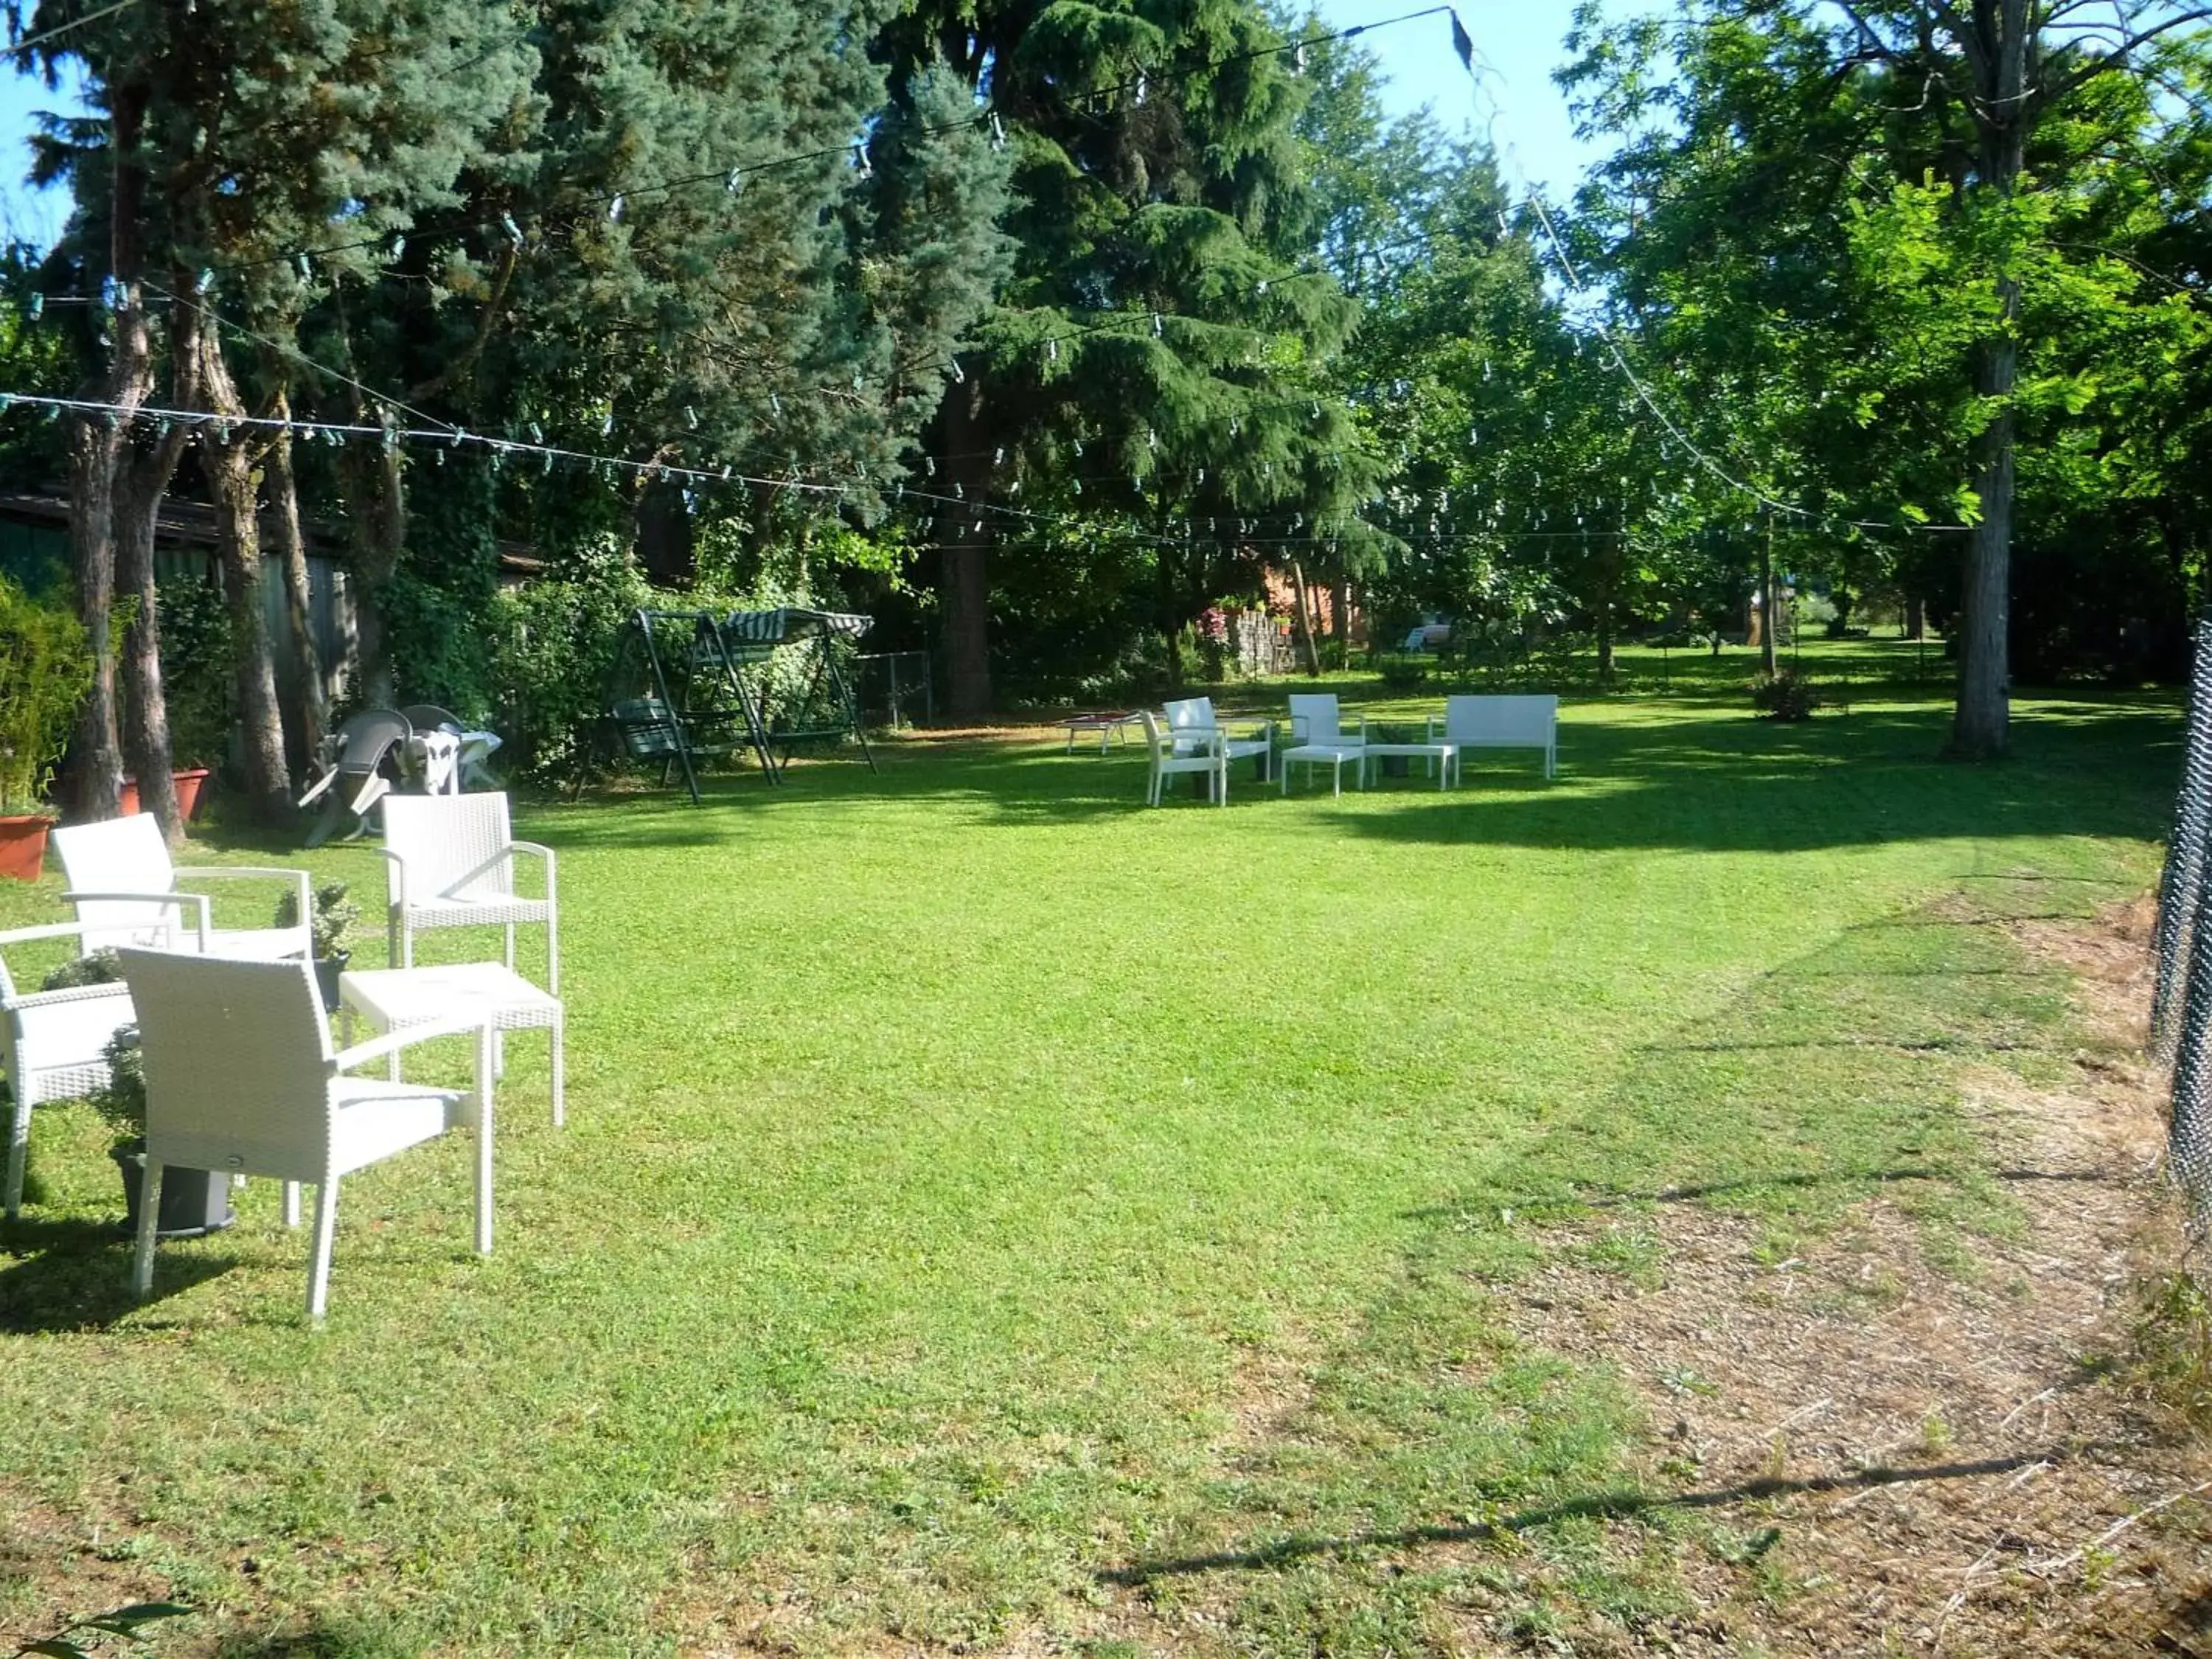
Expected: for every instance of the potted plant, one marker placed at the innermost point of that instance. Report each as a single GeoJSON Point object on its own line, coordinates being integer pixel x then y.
{"type": "Point", "coordinates": [45, 669]}
{"type": "Point", "coordinates": [193, 1201]}
{"type": "Point", "coordinates": [330, 928]}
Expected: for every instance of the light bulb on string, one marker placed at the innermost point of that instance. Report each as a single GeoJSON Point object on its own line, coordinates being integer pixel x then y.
{"type": "Point", "coordinates": [736, 181]}
{"type": "Point", "coordinates": [615, 211]}
{"type": "Point", "coordinates": [36, 306]}
{"type": "Point", "coordinates": [513, 231]}
{"type": "Point", "coordinates": [861, 160]}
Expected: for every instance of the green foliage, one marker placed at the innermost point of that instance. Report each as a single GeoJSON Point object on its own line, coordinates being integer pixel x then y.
{"type": "Point", "coordinates": [198, 669]}
{"type": "Point", "coordinates": [331, 919]}
{"type": "Point", "coordinates": [1785, 695]}
{"type": "Point", "coordinates": [45, 671]}
{"type": "Point", "coordinates": [122, 1103]}
{"type": "Point", "coordinates": [552, 644]}
{"type": "Point", "coordinates": [102, 967]}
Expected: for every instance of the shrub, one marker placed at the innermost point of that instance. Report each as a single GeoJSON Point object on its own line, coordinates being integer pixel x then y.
{"type": "Point", "coordinates": [330, 925]}
{"type": "Point", "coordinates": [1784, 694]}
{"type": "Point", "coordinates": [48, 671]}
{"type": "Point", "coordinates": [1402, 674]}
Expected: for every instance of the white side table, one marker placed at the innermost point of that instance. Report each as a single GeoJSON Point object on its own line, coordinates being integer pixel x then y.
{"type": "Point", "coordinates": [1443, 757]}
{"type": "Point", "coordinates": [391, 998]}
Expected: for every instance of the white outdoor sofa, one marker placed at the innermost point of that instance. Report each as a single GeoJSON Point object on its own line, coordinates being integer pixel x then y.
{"type": "Point", "coordinates": [1499, 722]}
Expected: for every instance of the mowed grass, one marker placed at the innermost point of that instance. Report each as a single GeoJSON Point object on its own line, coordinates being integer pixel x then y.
{"type": "Point", "coordinates": [993, 1211]}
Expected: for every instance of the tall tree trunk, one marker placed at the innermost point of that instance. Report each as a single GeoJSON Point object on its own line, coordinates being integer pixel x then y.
{"type": "Point", "coordinates": [1605, 634]}
{"type": "Point", "coordinates": [964, 588]}
{"type": "Point", "coordinates": [94, 775]}
{"type": "Point", "coordinates": [313, 713]}
{"type": "Point", "coordinates": [229, 452]}
{"type": "Point", "coordinates": [1305, 628]}
{"type": "Point", "coordinates": [140, 483]}
{"type": "Point", "coordinates": [1766, 617]}
{"type": "Point", "coordinates": [98, 445]}
{"type": "Point", "coordinates": [1916, 623]}
{"type": "Point", "coordinates": [1339, 619]}
{"type": "Point", "coordinates": [1981, 726]}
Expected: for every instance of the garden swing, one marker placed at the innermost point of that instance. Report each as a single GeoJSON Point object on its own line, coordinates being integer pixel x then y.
{"type": "Point", "coordinates": [683, 688]}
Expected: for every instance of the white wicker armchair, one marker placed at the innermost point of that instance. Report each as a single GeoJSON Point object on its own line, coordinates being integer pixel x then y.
{"type": "Point", "coordinates": [449, 862]}
{"type": "Point", "coordinates": [49, 1046]}
{"type": "Point", "coordinates": [241, 1078]}
{"type": "Point", "coordinates": [125, 888]}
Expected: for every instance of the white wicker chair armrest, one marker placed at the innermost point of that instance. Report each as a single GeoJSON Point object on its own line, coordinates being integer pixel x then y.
{"type": "Point", "coordinates": [44, 930]}
{"type": "Point", "coordinates": [72, 993]}
{"type": "Point", "coordinates": [392, 1042]}
{"type": "Point", "coordinates": [543, 854]}
{"type": "Point", "coordinates": [397, 870]}
{"type": "Point", "coordinates": [268, 872]}
{"type": "Point", "coordinates": [198, 900]}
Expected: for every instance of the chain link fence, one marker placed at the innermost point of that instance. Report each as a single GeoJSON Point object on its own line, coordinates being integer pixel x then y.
{"type": "Point", "coordinates": [2181, 1004]}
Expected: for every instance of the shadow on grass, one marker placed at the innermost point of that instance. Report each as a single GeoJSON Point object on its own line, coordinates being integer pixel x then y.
{"type": "Point", "coordinates": [75, 1275]}
{"type": "Point", "coordinates": [1696, 779]}
{"type": "Point", "coordinates": [1602, 1505]}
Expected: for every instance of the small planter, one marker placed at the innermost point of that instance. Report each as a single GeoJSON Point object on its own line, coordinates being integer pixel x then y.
{"type": "Point", "coordinates": [194, 1202]}
{"type": "Point", "coordinates": [327, 970]}
{"type": "Point", "coordinates": [23, 846]}
{"type": "Point", "coordinates": [187, 783]}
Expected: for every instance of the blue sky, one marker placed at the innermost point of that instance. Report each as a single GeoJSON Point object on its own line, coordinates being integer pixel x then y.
{"type": "Point", "coordinates": [1518, 107]}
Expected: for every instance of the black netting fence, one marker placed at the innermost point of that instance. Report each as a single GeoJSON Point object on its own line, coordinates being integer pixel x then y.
{"type": "Point", "coordinates": [2181, 1005]}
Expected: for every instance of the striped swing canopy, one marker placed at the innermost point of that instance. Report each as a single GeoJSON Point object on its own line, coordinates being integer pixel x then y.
{"type": "Point", "coordinates": [788, 623]}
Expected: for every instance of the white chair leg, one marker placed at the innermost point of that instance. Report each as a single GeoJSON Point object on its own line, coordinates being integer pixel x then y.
{"type": "Point", "coordinates": [1336, 778]}
{"type": "Point", "coordinates": [510, 947]}
{"type": "Point", "coordinates": [484, 1140]}
{"type": "Point", "coordinates": [560, 1109]}
{"type": "Point", "coordinates": [291, 1204]}
{"type": "Point", "coordinates": [150, 1221]}
{"type": "Point", "coordinates": [18, 1138]}
{"type": "Point", "coordinates": [319, 1266]}
{"type": "Point", "coordinates": [553, 956]}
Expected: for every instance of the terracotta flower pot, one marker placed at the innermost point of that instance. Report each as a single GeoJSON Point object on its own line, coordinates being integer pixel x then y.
{"type": "Point", "coordinates": [188, 793]}
{"type": "Point", "coordinates": [23, 846]}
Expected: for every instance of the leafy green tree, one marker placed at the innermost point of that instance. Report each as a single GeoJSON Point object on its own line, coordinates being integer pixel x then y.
{"type": "Point", "coordinates": [1853, 226]}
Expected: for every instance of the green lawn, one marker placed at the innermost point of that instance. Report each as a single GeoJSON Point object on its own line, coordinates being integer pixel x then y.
{"type": "Point", "coordinates": [979, 1191]}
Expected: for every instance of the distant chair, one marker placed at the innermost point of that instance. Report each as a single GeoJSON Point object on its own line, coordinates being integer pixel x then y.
{"type": "Point", "coordinates": [449, 862]}
{"type": "Point", "coordinates": [240, 1078]}
{"type": "Point", "coordinates": [353, 776]}
{"type": "Point", "coordinates": [125, 888]}
{"type": "Point", "coordinates": [1168, 756]}
{"type": "Point", "coordinates": [1318, 737]}
{"type": "Point", "coordinates": [1192, 723]}
{"type": "Point", "coordinates": [52, 1045]}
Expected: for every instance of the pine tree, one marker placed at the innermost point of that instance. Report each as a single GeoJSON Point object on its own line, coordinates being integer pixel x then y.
{"type": "Point", "coordinates": [1158, 355]}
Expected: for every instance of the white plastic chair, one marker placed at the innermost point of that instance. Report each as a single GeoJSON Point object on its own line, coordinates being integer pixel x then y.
{"type": "Point", "coordinates": [449, 862]}
{"type": "Point", "coordinates": [241, 1078]}
{"type": "Point", "coordinates": [1192, 722]}
{"type": "Point", "coordinates": [1165, 753]}
{"type": "Point", "coordinates": [50, 1046]}
{"type": "Point", "coordinates": [124, 889]}
{"type": "Point", "coordinates": [1318, 739]}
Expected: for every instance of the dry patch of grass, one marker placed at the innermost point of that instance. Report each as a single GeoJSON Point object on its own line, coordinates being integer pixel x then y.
{"type": "Point", "coordinates": [1880, 1447]}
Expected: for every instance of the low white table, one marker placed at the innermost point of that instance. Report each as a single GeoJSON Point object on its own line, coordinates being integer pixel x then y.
{"type": "Point", "coordinates": [391, 998]}
{"type": "Point", "coordinates": [1445, 757]}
